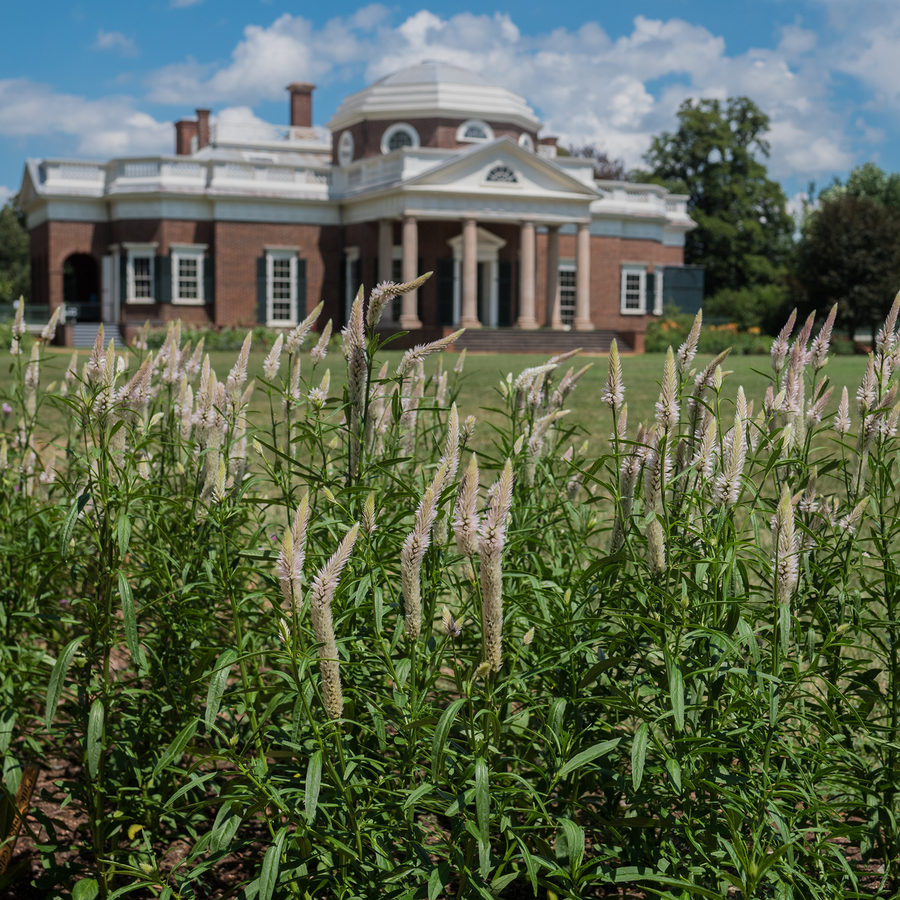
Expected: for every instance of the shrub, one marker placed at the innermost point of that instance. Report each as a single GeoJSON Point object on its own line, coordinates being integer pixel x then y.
{"type": "Point", "coordinates": [314, 652]}
{"type": "Point", "coordinates": [674, 328]}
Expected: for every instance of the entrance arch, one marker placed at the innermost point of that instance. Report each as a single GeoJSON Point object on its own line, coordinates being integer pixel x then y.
{"type": "Point", "coordinates": [81, 288]}
{"type": "Point", "coordinates": [489, 305]}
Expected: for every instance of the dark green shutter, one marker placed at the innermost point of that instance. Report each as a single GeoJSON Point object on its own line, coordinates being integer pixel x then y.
{"type": "Point", "coordinates": [163, 277]}
{"type": "Point", "coordinates": [650, 291]}
{"type": "Point", "coordinates": [301, 289]}
{"type": "Point", "coordinates": [261, 311]}
{"type": "Point", "coordinates": [445, 291]}
{"type": "Point", "coordinates": [504, 293]}
{"type": "Point", "coordinates": [209, 284]}
{"type": "Point", "coordinates": [123, 277]}
{"type": "Point", "coordinates": [683, 287]}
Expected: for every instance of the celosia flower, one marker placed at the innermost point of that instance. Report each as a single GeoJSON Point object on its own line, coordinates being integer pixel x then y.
{"type": "Point", "coordinates": [272, 363]}
{"type": "Point", "coordinates": [688, 349]}
{"type": "Point", "coordinates": [614, 393]}
{"type": "Point", "coordinates": [322, 593]}
{"type": "Point", "coordinates": [319, 352]}
{"type": "Point", "coordinates": [465, 522]}
{"type": "Point", "coordinates": [298, 335]}
{"type": "Point", "coordinates": [421, 351]}
{"type": "Point", "coordinates": [492, 540]}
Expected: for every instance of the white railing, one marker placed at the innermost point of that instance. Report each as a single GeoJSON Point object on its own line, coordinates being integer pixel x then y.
{"type": "Point", "coordinates": [79, 172]}
{"type": "Point", "coordinates": [140, 169]}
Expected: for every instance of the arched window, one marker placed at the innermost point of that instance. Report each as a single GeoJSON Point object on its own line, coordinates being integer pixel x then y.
{"type": "Point", "coordinates": [502, 175]}
{"type": "Point", "coordinates": [345, 149]}
{"type": "Point", "coordinates": [526, 141]}
{"type": "Point", "coordinates": [400, 139]}
{"type": "Point", "coordinates": [398, 136]}
{"type": "Point", "coordinates": [474, 132]}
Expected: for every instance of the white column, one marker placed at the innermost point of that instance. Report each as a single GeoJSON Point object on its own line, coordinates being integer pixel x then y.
{"type": "Point", "coordinates": [583, 279]}
{"type": "Point", "coordinates": [526, 278]}
{"type": "Point", "coordinates": [553, 308]}
{"type": "Point", "coordinates": [469, 318]}
{"type": "Point", "coordinates": [409, 317]}
{"type": "Point", "coordinates": [385, 250]}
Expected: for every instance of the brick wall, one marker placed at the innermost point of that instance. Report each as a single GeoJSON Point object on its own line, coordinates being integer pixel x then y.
{"type": "Point", "coordinates": [238, 245]}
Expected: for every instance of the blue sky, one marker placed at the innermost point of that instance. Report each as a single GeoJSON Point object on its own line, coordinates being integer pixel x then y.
{"type": "Point", "coordinates": [95, 80]}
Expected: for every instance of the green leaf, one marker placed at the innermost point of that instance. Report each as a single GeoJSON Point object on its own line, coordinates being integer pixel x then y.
{"type": "Point", "coordinates": [530, 866]}
{"type": "Point", "coordinates": [440, 875]}
{"type": "Point", "coordinates": [217, 685]}
{"type": "Point", "coordinates": [639, 754]}
{"type": "Point", "coordinates": [123, 534]}
{"type": "Point", "coordinates": [228, 820]}
{"type": "Point", "coordinates": [674, 770]}
{"type": "Point", "coordinates": [95, 737]}
{"type": "Point", "coordinates": [313, 785]}
{"type": "Point", "coordinates": [417, 794]}
{"type": "Point", "coordinates": [58, 678]}
{"type": "Point", "coordinates": [676, 693]}
{"type": "Point", "coordinates": [445, 723]}
{"type": "Point", "coordinates": [130, 618]}
{"type": "Point", "coordinates": [586, 756]}
{"type": "Point", "coordinates": [86, 889]}
{"type": "Point", "coordinates": [574, 838]}
{"type": "Point", "coordinates": [483, 815]}
{"type": "Point", "coordinates": [176, 747]}
{"type": "Point", "coordinates": [268, 877]}
{"type": "Point", "coordinates": [68, 527]}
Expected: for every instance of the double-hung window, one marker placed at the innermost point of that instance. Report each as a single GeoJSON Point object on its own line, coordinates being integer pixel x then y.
{"type": "Point", "coordinates": [567, 293]}
{"type": "Point", "coordinates": [634, 290]}
{"type": "Point", "coordinates": [187, 274]}
{"type": "Point", "coordinates": [140, 273]}
{"type": "Point", "coordinates": [281, 287]}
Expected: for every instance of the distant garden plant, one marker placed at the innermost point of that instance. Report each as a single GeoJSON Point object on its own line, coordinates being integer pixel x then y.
{"type": "Point", "coordinates": [334, 653]}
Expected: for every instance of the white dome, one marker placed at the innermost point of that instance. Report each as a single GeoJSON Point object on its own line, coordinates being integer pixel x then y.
{"type": "Point", "coordinates": [433, 89]}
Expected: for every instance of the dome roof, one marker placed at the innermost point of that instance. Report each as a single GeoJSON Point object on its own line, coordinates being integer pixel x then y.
{"type": "Point", "coordinates": [432, 71]}
{"type": "Point", "coordinates": [433, 89]}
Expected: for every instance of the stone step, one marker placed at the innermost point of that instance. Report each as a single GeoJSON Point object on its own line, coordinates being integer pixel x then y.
{"type": "Point", "coordinates": [85, 333]}
{"type": "Point", "coordinates": [512, 340]}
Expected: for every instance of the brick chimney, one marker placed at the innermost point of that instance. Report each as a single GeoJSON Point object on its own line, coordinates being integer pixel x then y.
{"type": "Point", "coordinates": [202, 128]}
{"type": "Point", "coordinates": [301, 104]}
{"type": "Point", "coordinates": [185, 130]}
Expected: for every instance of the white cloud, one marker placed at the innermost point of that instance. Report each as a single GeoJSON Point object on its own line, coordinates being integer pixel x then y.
{"type": "Point", "coordinates": [181, 4]}
{"type": "Point", "coordinates": [110, 126]}
{"type": "Point", "coordinates": [116, 41]}
{"type": "Point", "coordinates": [5, 193]}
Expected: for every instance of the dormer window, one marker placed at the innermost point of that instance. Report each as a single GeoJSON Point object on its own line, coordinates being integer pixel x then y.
{"type": "Point", "coordinates": [399, 136]}
{"type": "Point", "coordinates": [474, 132]}
{"type": "Point", "coordinates": [526, 141]}
{"type": "Point", "coordinates": [502, 175]}
{"type": "Point", "coordinates": [345, 149]}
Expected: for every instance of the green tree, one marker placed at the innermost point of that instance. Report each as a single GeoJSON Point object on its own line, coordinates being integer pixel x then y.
{"type": "Point", "coordinates": [849, 254]}
{"type": "Point", "coordinates": [15, 264]}
{"type": "Point", "coordinates": [744, 233]}
{"type": "Point", "coordinates": [867, 181]}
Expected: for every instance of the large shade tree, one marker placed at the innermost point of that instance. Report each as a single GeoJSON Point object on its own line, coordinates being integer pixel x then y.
{"type": "Point", "coordinates": [744, 233]}
{"type": "Point", "coordinates": [15, 271]}
{"type": "Point", "coordinates": [849, 254]}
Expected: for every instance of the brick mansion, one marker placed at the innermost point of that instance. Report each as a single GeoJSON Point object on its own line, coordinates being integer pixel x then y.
{"type": "Point", "coordinates": [432, 168]}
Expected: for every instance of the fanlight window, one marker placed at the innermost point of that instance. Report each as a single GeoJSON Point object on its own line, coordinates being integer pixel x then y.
{"type": "Point", "coordinates": [503, 175]}
{"type": "Point", "coordinates": [400, 138]}
{"type": "Point", "coordinates": [476, 133]}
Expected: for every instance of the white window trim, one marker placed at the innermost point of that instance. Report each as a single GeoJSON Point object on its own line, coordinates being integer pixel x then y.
{"type": "Point", "coordinates": [526, 141]}
{"type": "Point", "coordinates": [640, 270]}
{"type": "Point", "coordinates": [461, 132]}
{"type": "Point", "coordinates": [135, 250]}
{"type": "Point", "coordinates": [346, 149]}
{"type": "Point", "coordinates": [271, 255]}
{"type": "Point", "coordinates": [198, 252]}
{"type": "Point", "coordinates": [390, 132]}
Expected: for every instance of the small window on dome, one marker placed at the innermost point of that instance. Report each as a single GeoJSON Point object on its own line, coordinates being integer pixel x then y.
{"type": "Point", "coordinates": [400, 139]}
{"type": "Point", "coordinates": [345, 149]}
{"type": "Point", "coordinates": [502, 175]}
{"type": "Point", "coordinates": [398, 136]}
{"type": "Point", "coordinates": [474, 131]}
{"type": "Point", "coordinates": [526, 141]}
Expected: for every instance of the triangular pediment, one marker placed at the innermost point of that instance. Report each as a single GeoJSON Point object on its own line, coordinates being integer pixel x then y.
{"type": "Point", "coordinates": [27, 191]}
{"type": "Point", "coordinates": [492, 167]}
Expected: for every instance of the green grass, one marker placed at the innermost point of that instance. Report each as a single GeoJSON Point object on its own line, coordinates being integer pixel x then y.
{"type": "Point", "coordinates": [479, 393]}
